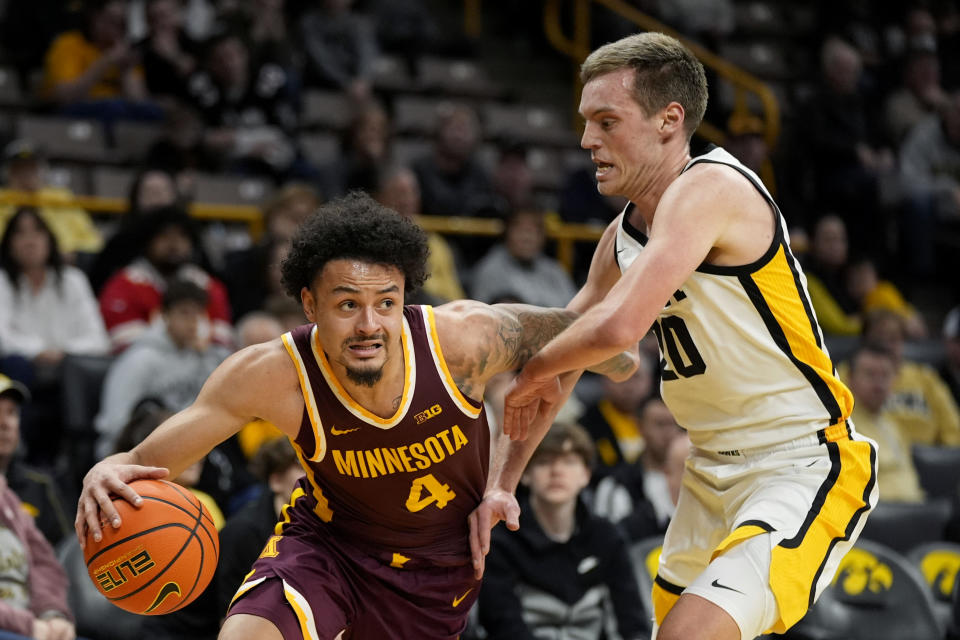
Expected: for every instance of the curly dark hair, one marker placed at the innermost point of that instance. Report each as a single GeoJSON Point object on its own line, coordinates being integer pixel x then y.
{"type": "Point", "coordinates": [355, 227]}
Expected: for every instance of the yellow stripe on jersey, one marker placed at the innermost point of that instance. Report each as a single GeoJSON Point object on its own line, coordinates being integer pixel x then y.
{"type": "Point", "coordinates": [788, 319]}
{"type": "Point", "coordinates": [323, 510]}
{"type": "Point", "coordinates": [796, 564]}
{"type": "Point", "coordinates": [741, 533]}
{"type": "Point", "coordinates": [664, 596]}
{"type": "Point", "coordinates": [245, 586]}
{"type": "Point", "coordinates": [319, 439]}
{"type": "Point", "coordinates": [354, 407]}
{"type": "Point", "coordinates": [285, 511]}
{"type": "Point", "coordinates": [304, 614]}
{"type": "Point", "coordinates": [438, 359]}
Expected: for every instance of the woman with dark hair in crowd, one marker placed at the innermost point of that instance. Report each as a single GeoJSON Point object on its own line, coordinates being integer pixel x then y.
{"type": "Point", "coordinates": [47, 310]}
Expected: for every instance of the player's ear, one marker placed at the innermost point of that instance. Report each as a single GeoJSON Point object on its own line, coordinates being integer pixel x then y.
{"type": "Point", "coordinates": [672, 118]}
{"type": "Point", "coordinates": [308, 302]}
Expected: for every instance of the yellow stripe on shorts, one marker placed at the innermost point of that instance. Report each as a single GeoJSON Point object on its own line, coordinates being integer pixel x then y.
{"type": "Point", "coordinates": [796, 564]}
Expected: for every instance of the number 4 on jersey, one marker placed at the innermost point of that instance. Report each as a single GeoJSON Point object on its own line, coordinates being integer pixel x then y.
{"type": "Point", "coordinates": [436, 492]}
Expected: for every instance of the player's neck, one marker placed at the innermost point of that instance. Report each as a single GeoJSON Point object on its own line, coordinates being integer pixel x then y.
{"type": "Point", "coordinates": [647, 197]}
{"type": "Point", "coordinates": [383, 398]}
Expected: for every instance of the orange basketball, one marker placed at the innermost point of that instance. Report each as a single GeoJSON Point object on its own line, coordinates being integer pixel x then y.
{"type": "Point", "coordinates": [162, 556]}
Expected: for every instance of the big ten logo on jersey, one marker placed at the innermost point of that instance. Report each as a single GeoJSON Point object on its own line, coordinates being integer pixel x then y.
{"type": "Point", "coordinates": [116, 572]}
{"type": "Point", "coordinates": [432, 412]}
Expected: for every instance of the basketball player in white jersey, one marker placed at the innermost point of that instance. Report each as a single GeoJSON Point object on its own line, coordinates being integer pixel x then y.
{"type": "Point", "coordinates": [778, 483]}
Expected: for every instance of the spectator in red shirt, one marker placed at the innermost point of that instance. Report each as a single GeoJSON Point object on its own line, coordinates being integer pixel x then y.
{"type": "Point", "coordinates": [131, 298]}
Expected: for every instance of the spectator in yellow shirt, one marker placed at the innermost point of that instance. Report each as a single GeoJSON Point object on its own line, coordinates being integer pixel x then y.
{"type": "Point", "coordinates": [920, 400]}
{"type": "Point", "coordinates": [25, 171]}
{"type": "Point", "coordinates": [872, 371]}
{"type": "Point", "coordinates": [96, 72]}
{"type": "Point", "coordinates": [867, 289]}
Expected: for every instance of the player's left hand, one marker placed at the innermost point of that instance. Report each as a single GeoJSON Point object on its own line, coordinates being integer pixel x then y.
{"type": "Point", "coordinates": [497, 505]}
{"type": "Point", "coordinates": [526, 399]}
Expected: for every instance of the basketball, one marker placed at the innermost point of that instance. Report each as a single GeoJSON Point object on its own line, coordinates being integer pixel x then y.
{"type": "Point", "coordinates": [163, 555]}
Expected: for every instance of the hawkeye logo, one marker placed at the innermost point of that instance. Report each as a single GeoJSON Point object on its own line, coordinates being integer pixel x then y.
{"type": "Point", "coordinates": [861, 571]}
{"type": "Point", "coordinates": [432, 412]}
{"type": "Point", "coordinates": [117, 572]}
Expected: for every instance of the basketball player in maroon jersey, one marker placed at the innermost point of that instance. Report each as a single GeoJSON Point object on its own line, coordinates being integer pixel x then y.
{"type": "Point", "coordinates": [383, 403]}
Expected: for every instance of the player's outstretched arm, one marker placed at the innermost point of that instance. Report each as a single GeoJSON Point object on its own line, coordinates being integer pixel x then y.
{"type": "Point", "coordinates": [480, 340]}
{"type": "Point", "coordinates": [258, 381]}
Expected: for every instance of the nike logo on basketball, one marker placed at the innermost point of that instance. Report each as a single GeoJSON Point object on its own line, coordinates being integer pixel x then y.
{"type": "Point", "coordinates": [339, 432]}
{"type": "Point", "coordinates": [723, 586]}
{"type": "Point", "coordinates": [168, 589]}
{"type": "Point", "coordinates": [457, 601]}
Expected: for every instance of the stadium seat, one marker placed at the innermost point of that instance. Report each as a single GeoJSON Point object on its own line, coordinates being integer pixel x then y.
{"type": "Point", "coordinates": [10, 94]}
{"type": "Point", "coordinates": [320, 148]}
{"type": "Point", "coordinates": [938, 468]}
{"type": "Point", "coordinates": [939, 563]}
{"type": "Point", "coordinates": [645, 555]}
{"type": "Point", "coordinates": [68, 176]}
{"type": "Point", "coordinates": [230, 190]}
{"type": "Point", "coordinates": [408, 150]}
{"type": "Point", "coordinates": [527, 124]}
{"type": "Point", "coordinates": [391, 74]}
{"type": "Point", "coordinates": [65, 138]}
{"type": "Point", "coordinates": [456, 78]}
{"type": "Point", "coordinates": [419, 114]}
{"type": "Point", "coordinates": [953, 625]}
{"type": "Point", "coordinates": [326, 110]}
{"type": "Point", "coordinates": [132, 140]}
{"type": "Point", "coordinates": [97, 618]}
{"type": "Point", "coordinates": [876, 595]}
{"type": "Point", "coordinates": [903, 526]}
{"type": "Point", "coordinates": [109, 182]}
{"type": "Point", "coordinates": [546, 167]}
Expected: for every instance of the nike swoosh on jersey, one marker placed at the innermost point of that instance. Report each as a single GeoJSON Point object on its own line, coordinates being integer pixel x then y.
{"type": "Point", "coordinates": [457, 601]}
{"type": "Point", "coordinates": [339, 432]}
{"type": "Point", "coordinates": [715, 583]}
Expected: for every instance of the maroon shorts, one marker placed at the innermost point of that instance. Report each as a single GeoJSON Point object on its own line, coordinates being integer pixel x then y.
{"type": "Point", "coordinates": [316, 585]}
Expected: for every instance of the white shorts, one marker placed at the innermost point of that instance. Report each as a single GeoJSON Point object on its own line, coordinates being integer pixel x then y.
{"type": "Point", "coordinates": [760, 533]}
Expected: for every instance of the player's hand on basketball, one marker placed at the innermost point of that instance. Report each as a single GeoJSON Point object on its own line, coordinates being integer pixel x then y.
{"type": "Point", "coordinates": [108, 477]}
{"type": "Point", "coordinates": [526, 399]}
{"type": "Point", "coordinates": [496, 505]}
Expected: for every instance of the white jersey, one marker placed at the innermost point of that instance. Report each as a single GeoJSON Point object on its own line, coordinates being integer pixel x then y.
{"type": "Point", "coordinates": [743, 363]}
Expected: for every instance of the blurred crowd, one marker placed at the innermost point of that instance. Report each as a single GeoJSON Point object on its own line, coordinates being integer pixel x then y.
{"type": "Point", "coordinates": [107, 326]}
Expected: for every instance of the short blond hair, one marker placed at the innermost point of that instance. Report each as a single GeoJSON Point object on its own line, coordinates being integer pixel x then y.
{"type": "Point", "coordinates": [665, 71]}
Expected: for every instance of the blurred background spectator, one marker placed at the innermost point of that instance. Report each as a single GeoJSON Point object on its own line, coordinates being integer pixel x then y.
{"type": "Point", "coordinates": [565, 573]}
{"type": "Point", "coordinates": [518, 266]}
{"type": "Point", "coordinates": [25, 170]}
{"type": "Point", "coordinates": [872, 371]}
{"type": "Point", "coordinates": [169, 362]}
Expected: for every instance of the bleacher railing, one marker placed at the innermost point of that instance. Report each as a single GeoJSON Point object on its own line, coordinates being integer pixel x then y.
{"type": "Point", "coordinates": [578, 46]}
{"type": "Point", "coordinates": [565, 235]}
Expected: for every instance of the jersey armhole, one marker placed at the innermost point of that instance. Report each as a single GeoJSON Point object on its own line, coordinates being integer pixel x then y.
{"type": "Point", "coordinates": [310, 403]}
{"type": "Point", "coordinates": [470, 407]}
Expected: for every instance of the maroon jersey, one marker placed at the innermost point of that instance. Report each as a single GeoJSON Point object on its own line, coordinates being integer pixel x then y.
{"type": "Point", "coordinates": [402, 485]}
